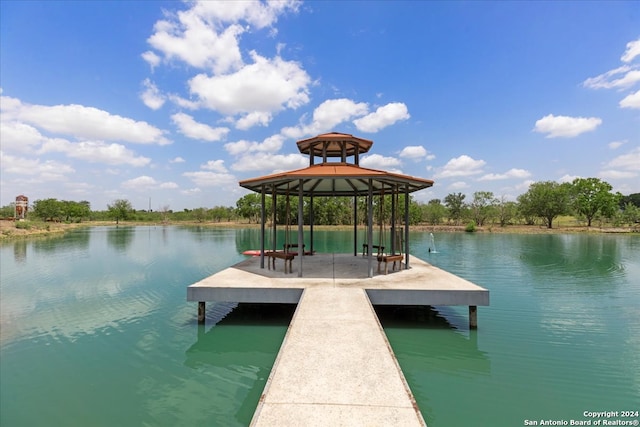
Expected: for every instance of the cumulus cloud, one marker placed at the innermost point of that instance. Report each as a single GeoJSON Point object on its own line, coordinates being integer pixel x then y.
{"type": "Point", "coordinates": [327, 116]}
{"type": "Point", "coordinates": [383, 117]}
{"type": "Point", "coordinates": [192, 129]}
{"type": "Point", "coordinates": [616, 144]}
{"type": "Point", "coordinates": [266, 86]}
{"type": "Point", "coordinates": [95, 152]}
{"type": "Point", "coordinates": [17, 136]}
{"type": "Point", "coordinates": [619, 78]}
{"type": "Point", "coordinates": [215, 166]}
{"type": "Point", "coordinates": [511, 173]}
{"type": "Point", "coordinates": [622, 167]}
{"type": "Point", "coordinates": [461, 166]}
{"type": "Point", "coordinates": [416, 153]}
{"type": "Point", "coordinates": [631, 101]}
{"type": "Point", "coordinates": [177, 160]}
{"type": "Point", "coordinates": [146, 183]}
{"type": "Point", "coordinates": [211, 179]}
{"type": "Point", "coordinates": [376, 161]}
{"type": "Point", "coordinates": [151, 96]}
{"type": "Point", "coordinates": [83, 122]}
{"type": "Point", "coordinates": [48, 170]}
{"type": "Point", "coordinates": [565, 126]}
{"type": "Point", "coordinates": [207, 35]}
{"type": "Point", "coordinates": [270, 162]}
{"type": "Point", "coordinates": [633, 50]}
{"type": "Point", "coordinates": [269, 145]}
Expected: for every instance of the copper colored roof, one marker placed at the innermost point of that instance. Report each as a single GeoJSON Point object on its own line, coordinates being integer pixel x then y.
{"type": "Point", "coordinates": [332, 144]}
{"type": "Point", "coordinates": [335, 179]}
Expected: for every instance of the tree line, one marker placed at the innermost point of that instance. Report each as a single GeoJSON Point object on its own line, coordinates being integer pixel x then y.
{"type": "Point", "coordinates": [587, 199]}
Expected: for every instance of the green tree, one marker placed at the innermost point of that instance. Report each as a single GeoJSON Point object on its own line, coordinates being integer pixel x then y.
{"type": "Point", "coordinates": [120, 209]}
{"type": "Point", "coordinates": [248, 206]}
{"type": "Point", "coordinates": [48, 209]}
{"type": "Point", "coordinates": [71, 210]}
{"type": "Point", "coordinates": [455, 205]}
{"type": "Point", "coordinates": [546, 199]}
{"type": "Point", "coordinates": [481, 206]}
{"type": "Point", "coordinates": [591, 196]}
{"type": "Point", "coordinates": [433, 212]}
{"type": "Point", "coordinates": [506, 211]}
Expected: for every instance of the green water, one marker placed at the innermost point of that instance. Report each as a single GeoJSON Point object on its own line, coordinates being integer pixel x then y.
{"type": "Point", "coordinates": [96, 330]}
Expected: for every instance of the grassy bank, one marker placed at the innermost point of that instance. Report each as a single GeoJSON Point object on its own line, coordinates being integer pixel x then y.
{"type": "Point", "coordinates": [23, 229]}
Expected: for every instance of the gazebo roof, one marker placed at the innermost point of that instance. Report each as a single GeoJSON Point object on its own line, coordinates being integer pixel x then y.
{"type": "Point", "coordinates": [335, 179]}
{"type": "Point", "coordinates": [333, 143]}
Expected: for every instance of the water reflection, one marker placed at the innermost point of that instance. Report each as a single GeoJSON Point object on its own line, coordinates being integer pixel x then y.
{"type": "Point", "coordinates": [243, 360]}
{"type": "Point", "coordinates": [120, 238]}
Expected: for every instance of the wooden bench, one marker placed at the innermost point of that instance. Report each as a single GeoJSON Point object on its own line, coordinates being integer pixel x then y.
{"type": "Point", "coordinates": [377, 248]}
{"type": "Point", "coordinates": [286, 256]}
{"type": "Point", "coordinates": [289, 246]}
{"type": "Point", "coordinates": [389, 258]}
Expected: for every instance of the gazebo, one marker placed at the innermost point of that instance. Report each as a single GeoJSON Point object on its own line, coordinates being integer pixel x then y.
{"type": "Point", "coordinates": [335, 176]}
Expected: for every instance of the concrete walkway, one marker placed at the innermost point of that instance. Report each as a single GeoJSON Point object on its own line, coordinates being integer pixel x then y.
{"type": "Point", "coordinates": [336, 368]}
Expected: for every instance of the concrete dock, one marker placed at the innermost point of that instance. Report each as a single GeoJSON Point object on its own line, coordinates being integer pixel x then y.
{"type": "Point", "coordinates": [335, 366]}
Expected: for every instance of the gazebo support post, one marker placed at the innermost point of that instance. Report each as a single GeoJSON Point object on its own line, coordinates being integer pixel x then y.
{"type": "Point", "coordinates": [355, 225]}
{"type": "Point", "coordinates": [406, 228]}
{"type": "Point", "coordinates": [202, 310]}
{"type": "Point", "coordinates": [473, 317]}
{"type": "Point", "coordinates": [263, 220]}
{"type": "Point", "coordinates": [300, 227]}
{"type": "Point", "coordinates": [311, 221]}
{"type": "Point", "coordinates": [370, 229]}
{"type": "Point", "coordinates": [274, 215]}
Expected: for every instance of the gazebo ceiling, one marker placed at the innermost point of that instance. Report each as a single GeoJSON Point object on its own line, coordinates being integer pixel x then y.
{"type": "Point", "coordinates": [335, 179]}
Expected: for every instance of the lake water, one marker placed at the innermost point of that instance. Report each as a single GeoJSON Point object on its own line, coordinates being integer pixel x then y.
{"type": "Point", "coordinates": [96, 330]}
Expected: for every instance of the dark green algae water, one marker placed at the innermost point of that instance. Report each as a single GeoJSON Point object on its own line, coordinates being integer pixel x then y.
{"type": "Point", "coordinates": [96, 330]}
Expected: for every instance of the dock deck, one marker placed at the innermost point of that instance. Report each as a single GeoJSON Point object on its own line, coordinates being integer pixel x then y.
{"type": "Point", "coordinates": [335, 366]}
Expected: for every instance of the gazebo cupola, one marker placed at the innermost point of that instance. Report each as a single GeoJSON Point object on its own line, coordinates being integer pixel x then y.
{"type": "Point", "coordinates": [334, 145]}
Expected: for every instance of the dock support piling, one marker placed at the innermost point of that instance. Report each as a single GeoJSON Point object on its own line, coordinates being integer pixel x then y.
{"type": "Point", "coordinates": [473, 317]}
{"type": "Point", "coordinates": [202, 308]}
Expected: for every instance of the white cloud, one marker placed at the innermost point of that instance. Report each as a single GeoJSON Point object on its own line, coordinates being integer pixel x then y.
{"type": "Point", "coordinates": [211, 179]}
{"type": "Point", "coordinates": [384, 116]}
{"type": "Point", "coordinates": [327, 116]}
{"type": "Point", "coordinates": [151, 95]}
{"type": "Point", "coordinates": [376, 161]}
{"type": "Point", "coordinates": [629, 161]}
{"type": "Point", "coordinates": [616, 174]}
{"type": "Point", "coordinates": [458, 185]}
{"type": "Point", "coordinates": [206, 36]}
{"type": "Point", "coordinates": [566, 127]}
{"type": "Point", "coordinates": [270, 162]}
{"type": "Point", "coordinates": [177, 160]}
{"type": "Point", "coordinates": [215, 166]}
{"type": "Point", "coordinates": [17, 136]}
{"type": "Point", "coordinates": [83, 122]}
{"type": "Point", "coordinates": [151, 58]}
{"type": "Point", "coordinates": [633, 50]}
{"type": "Point", "coordinates": [265, 86]}
{"type": "Point", "coordinates": [145, 183]}
{"type": "Point", "coordinates": [631, 101]}
{"type": "Point", "coordinates": [416, 153]}
{"type": "Point", "coordinates": [616, 144]}
{"type": "Point", "coordinates": [192, 129]}
{"type": "Point", "coordinates": [269, 145]}
{"type": "Point", "coordinates": [95, 152]}
{"type": "Point", "coordinates": [511, 173]}
{"type": "Point", "coordinates": [461, 166]}
{"type": "Point", "coordinates": [48, 170]}
{"type": "Point", "coordinates": [610, 79]}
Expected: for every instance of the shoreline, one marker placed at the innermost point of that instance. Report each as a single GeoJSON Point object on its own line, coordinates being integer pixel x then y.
{"type": "Point", "coordinates": [9, 231]}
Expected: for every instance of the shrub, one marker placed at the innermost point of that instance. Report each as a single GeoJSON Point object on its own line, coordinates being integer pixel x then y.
{"type": "Point", "coordinates": [471, 227]}
{"type": "Point", "coordinates": [23, 225]}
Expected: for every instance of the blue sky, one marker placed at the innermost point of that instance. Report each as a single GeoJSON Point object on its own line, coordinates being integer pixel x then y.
{"type": "Point", "coordinates": [172, 103]}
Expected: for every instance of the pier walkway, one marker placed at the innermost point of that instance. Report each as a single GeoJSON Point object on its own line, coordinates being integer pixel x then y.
{"type": "Point", "coordinates": [335, 367]}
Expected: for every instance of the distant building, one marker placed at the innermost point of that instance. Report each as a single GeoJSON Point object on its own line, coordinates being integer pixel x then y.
{"type": "Point", "coordinates": [22, 206]}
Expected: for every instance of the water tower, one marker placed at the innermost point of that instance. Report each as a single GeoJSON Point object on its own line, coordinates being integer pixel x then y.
{"type": "Point", "coordinates": [22, 206]}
